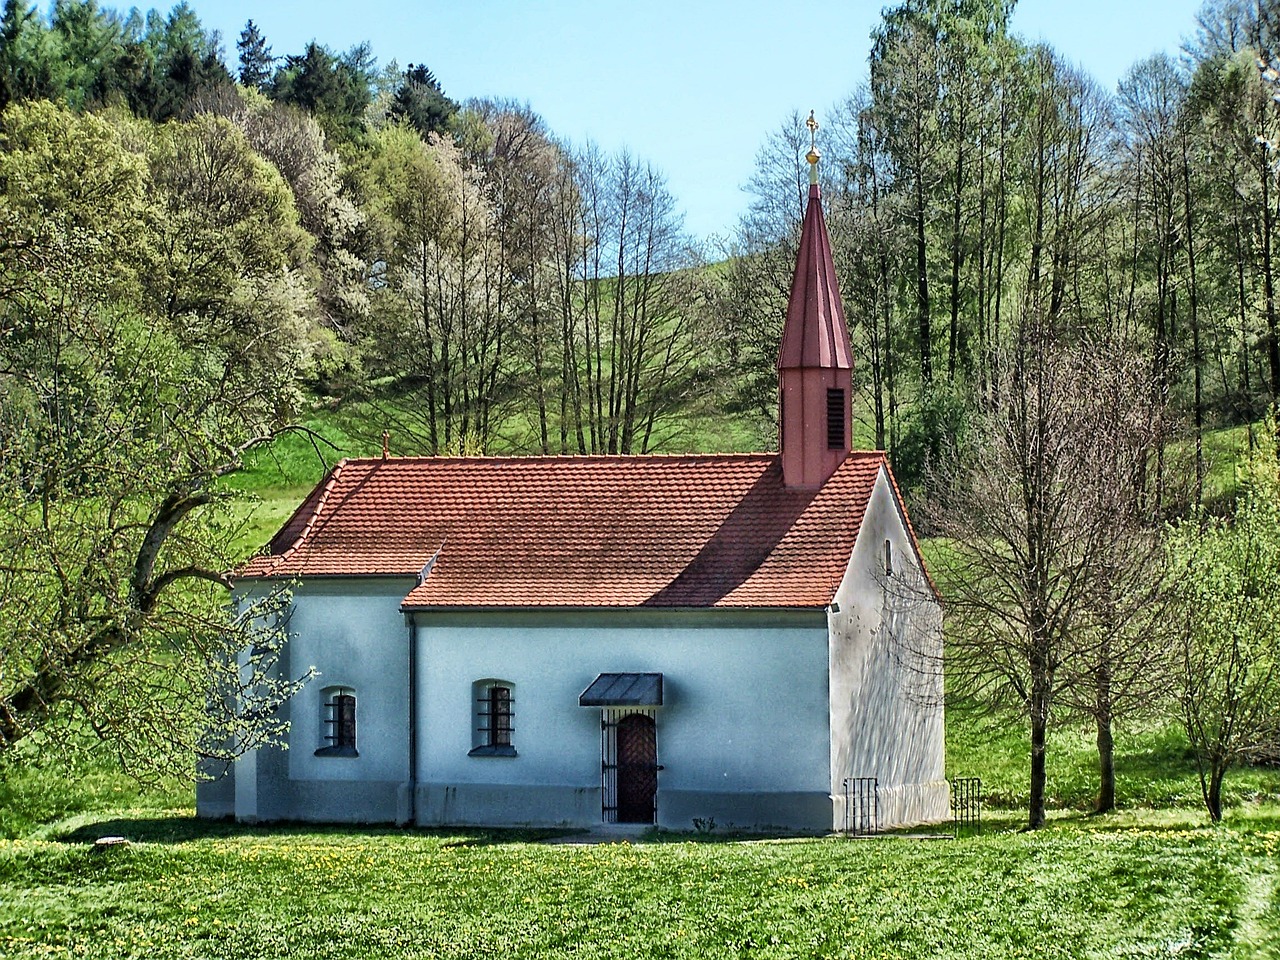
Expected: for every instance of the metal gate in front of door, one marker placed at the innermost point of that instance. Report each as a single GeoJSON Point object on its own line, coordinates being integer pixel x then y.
{"type": "Point", "coordinates": [629, 766]}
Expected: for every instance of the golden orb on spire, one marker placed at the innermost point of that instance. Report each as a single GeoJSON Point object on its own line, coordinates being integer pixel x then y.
{"type": "Point", "coordinates": [813, 155]}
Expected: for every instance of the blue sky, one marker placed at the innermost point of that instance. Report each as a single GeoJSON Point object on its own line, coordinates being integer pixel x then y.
{"type": "Point", "coordinates": [691, 85]}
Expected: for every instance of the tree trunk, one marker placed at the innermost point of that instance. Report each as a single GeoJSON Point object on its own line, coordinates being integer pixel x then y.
{"type": "Point", "coordinates": [1039, 728]}
{"type": "Point", "coordinates": [1104, 716]}
{"type": "Point", "coordinates": [1040, 692]}
{"type": "Point", "coordinates": [925, 334]}
{"type": "Point", "coordinates": [953, 338]}
{"type": "Point", "coordinates": [1268, 287]}
{"type": "Point", "coordinates": [1106, 764]}
{"type": "Point", "coordinates": [1211, 788]}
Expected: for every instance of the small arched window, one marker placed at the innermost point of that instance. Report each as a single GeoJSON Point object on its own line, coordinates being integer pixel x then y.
{"type": "Point", "coordinates": [888, 558]}
{"type": "Point", "coordinates": [494, 716]}
{"type": "Point", "coordinates": [338, 722]}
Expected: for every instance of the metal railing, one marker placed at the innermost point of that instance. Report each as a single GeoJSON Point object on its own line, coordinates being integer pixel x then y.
{"type": "Point", "coordinates": [861, 806]}
{"type": "Point", "coordinates": [966, 804]}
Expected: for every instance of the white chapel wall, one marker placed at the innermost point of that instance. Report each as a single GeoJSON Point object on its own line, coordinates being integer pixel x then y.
{"type": "Point", "coordinates": [742, 732]}
{"type": "Point", "coordinates": [886, 681]}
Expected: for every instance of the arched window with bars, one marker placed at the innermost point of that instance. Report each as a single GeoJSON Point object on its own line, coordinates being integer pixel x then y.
{"type": "Point", "coordinates": [494, 718]}
{"type": "Point", "coordinates": [338, 722]}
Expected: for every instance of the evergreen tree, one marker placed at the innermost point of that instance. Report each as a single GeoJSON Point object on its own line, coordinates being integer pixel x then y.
{"type": "Point", "coordinates": [420, 101]}
{"type": "Point", "coordinates": [28, 66]}
{"type": "Point", "coordinates": [336, 89]}
{"type": "Point", "coordinates": [256, 61]}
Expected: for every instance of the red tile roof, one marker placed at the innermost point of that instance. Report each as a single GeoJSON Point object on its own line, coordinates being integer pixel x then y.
{"type": "Point", "coordinates": [627, 531]}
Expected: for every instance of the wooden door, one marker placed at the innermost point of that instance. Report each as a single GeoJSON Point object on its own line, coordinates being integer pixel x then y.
{"type": "Point", "coordinates": [637, 769]}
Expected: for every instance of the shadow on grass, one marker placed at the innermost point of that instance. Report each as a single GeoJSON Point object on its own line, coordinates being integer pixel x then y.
{"type": "Point", "coordinates": [187, 829]}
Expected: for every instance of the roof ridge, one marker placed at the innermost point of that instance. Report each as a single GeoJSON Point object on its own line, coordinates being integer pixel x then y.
{"type": "Point", "coordinates": [581, 457]}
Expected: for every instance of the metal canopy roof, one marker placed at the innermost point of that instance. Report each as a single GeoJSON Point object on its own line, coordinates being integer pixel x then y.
{"type": "Point", "coordinates": [623, 690]}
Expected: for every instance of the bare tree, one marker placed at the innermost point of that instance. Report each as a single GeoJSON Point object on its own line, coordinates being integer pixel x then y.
{"type": "Point", "coordinates": [1046, 572]}
{"type": "Point", "coordinates": [630, 324]}
{"type": "Point", "coordinates": [1120, 663]}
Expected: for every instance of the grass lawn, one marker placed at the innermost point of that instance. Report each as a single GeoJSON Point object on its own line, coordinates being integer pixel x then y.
{"type": "Point", "coordinates": [1168, 887]}
{"type": "Point", "coordinates": [1151, 880]}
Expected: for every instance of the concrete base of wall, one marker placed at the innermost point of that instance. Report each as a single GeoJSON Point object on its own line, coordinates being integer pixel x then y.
{"type": "Point", "coordinates": [216, 799]}
{"type": "Point", "coordinates": [504, 805]}
{"type": "Point", "coordinates": [318, 801]}
{"type": "Point", "coordinates": [804, 812]}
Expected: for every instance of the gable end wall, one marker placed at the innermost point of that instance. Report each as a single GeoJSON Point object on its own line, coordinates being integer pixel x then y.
{"type": "Point", "coordinates": [886, 675]}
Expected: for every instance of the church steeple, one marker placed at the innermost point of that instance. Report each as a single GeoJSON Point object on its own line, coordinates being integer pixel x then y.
{"type": "Point", "coordinates": [815, 362]}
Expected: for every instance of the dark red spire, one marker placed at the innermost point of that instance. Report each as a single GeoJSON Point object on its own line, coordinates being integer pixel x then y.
{"type": "Point", "coordinates": [815, 362]}
{"type": "Point", "coordinates": [815, 334]}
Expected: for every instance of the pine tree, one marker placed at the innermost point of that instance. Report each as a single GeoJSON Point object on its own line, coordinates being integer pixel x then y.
{"type": "Point", "coordinates": [420, 100]}
{"type": "Point", "coordinates": [256, 61]}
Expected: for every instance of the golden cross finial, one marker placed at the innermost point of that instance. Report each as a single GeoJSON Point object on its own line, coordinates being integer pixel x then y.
{"type": "Point", "coordinates": [813, 156]}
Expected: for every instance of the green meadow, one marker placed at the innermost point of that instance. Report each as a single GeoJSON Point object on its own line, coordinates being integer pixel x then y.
{"type": "Point", "coordinates": [1129, 886]}
{"type": "Point", "coordinates": [1152, 879]}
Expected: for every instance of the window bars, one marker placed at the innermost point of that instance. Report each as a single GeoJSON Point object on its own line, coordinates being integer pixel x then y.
{"type": "Point", "coordinates": [338, 722]}
{"type": "Point", "coordinates": [494, 715]}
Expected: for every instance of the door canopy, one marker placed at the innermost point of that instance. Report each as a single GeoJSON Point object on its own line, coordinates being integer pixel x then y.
{"type": "Point", "coordinates": [623, 690]}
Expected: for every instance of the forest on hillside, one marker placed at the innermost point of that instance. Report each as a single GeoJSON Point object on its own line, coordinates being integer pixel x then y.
{"type": "Point", "coordinates": [495, 288]}
{"type": "Point", "coordinates": [1055, 292]}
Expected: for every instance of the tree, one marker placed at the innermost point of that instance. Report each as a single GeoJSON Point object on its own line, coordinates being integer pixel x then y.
{"type": "Point", "coordinates": [227, 259]}
{"type": "Point", "coordinates": [114, 430]}
{"type": "Point", "coordinates": [633, 335]}
{"type": "Point", "coordinates": [440, 315]}
{"type": "Point", "coordinates": [88, 42]}
{"type": "Point", "coordinates": [1229, 586]}
{"type": "Point", "coordinates": [295, 144]}
{"type": "Point", "coordinates": [29, 68]}
{"type": "Point", "coordinates": [1047, 572]}
{"type": "Point", "coordinates": [337, 89]}
{"type": "Point", "coordinates": [256, 61]}
{"type": "Point", "coordinates": [420, 102]}
{"type": "Point", "coordinates": [751, 303]}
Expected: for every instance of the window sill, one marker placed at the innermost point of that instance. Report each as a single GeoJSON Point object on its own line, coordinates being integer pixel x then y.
{"type": "Point", "coordinates": [337, 752]}
{"type": "Point", "coordinates": [493, 750]}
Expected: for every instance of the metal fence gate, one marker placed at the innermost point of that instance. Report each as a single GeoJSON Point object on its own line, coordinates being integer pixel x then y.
{"type": "Point", "coordinates": [861, 806]}
{"type": "Point", "coordinates": [966, 803]}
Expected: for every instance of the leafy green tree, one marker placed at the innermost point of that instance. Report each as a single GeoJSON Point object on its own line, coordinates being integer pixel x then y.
{"type": "Point", "coordinates": [228, 256]}
{"type": "Point", "coordinates": [439, 316]}
{"type": "Point", "coordinates": [293, 141]}
{"type": "Point", "coordinates": [1229, 586]}
{"type": "Point", "coordinates": [115, 424]}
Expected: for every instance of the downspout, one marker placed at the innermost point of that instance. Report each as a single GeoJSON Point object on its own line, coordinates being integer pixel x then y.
{"type": "Point", "coordinates": [413, 720]}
